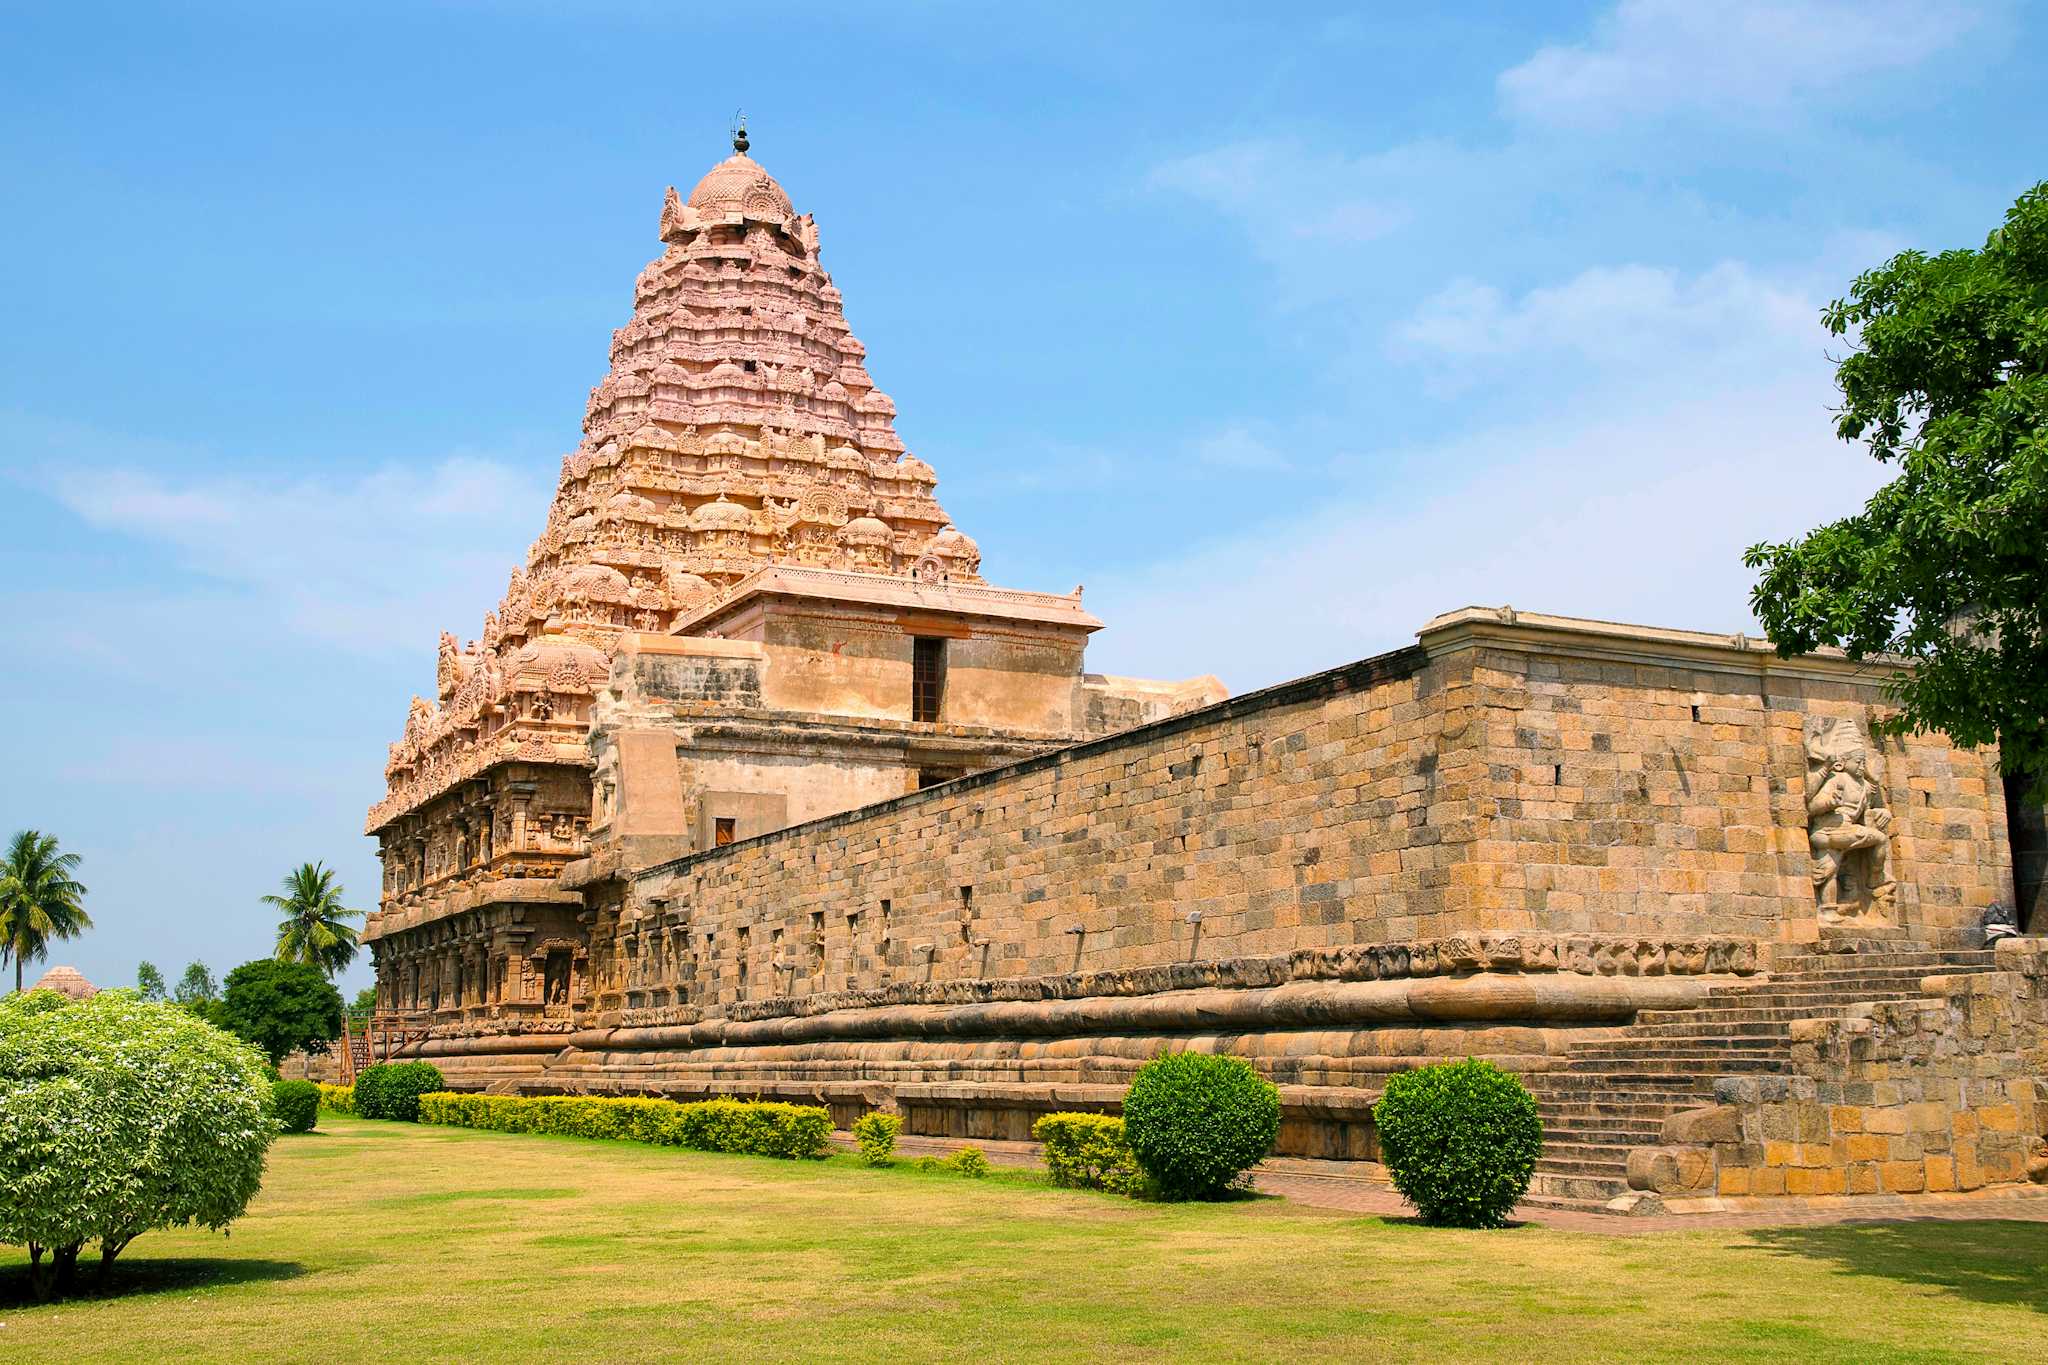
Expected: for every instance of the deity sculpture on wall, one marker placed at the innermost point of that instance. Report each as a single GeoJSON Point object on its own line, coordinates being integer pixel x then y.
{"type": "Point", "coordinates": [1848, 824]}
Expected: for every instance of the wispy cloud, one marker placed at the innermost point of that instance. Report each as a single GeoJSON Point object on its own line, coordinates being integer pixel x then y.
{"type": "Point", "coordinates": [1736, 59]}
{"type": "Point", "coordinates": [376, 562]}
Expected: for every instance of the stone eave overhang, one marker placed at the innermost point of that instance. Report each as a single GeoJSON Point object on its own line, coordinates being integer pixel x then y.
{"type": "Point", "coordinates": [1473, 628]}
{"type": "Point", "coordinates": [889, 591]}
{"type": "Point", "coordinates": [454, 901]}
{"type": "Point", "coordinates": [561, 754]}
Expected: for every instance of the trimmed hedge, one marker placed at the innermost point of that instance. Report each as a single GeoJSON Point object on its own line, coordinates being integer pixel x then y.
{"type": "Point", "coordinates": [1088, 1152]}
{"type": "Point", "coordinates": [790, 1131]}
{"type": "Point", "coordinates": [392, 1090]}
{"type": "Point", "coordinates": [1460, 1140]}
{"type": "Point", "coordinates": [1197, 1122]}
{"type": "Point", "coordinates": [337, 1099]}
{"type": "Point", "coordinates": [296, 1104]}
{"type": "Point", "coordinates": [876, 1134]}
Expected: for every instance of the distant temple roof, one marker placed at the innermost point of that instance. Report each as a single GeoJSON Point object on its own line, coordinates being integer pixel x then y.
{"type": "Point", "coordinates": [66, 981]}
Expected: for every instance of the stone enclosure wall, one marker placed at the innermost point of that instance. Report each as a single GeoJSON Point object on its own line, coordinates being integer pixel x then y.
{"type": "Point", "coordinates": [1477, 783]}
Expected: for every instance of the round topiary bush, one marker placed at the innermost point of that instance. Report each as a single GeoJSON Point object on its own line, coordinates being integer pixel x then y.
{"type": "Point", "coordinates": [296, 1104]}
{"type": "Point", "coordinates": [1460, 1140]}
{"type": "Point", "coordinates": [392, 1090]}
{"type": "Point", "coordinates": [1197, 1122]}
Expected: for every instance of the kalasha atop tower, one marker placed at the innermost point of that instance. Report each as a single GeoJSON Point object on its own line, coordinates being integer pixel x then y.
{"type": "Point", "coordinates": [740, 508]}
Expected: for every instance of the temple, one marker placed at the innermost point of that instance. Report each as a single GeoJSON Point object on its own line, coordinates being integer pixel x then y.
{"type": "Point", "coordinates": [752, 785]}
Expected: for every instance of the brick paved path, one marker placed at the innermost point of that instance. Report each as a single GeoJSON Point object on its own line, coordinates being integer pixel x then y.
{"type": "Point", "coordinates": [1339, 1187]}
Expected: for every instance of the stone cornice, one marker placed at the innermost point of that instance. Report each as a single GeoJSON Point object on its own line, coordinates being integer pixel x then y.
{"type": "Point", "coordinates": [885, 590]}
{"type": "Point", "coordinates": [1470, 628]}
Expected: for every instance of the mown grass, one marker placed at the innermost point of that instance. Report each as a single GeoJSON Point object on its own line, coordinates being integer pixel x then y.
{"type": "Point", "coordinates": [377, 1241]}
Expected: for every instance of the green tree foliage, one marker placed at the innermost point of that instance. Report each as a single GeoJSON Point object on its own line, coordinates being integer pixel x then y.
{"type": "Point", "coordinates": [281, 1007]}
{"type": "Point", "coordinates": [1945, 564]}
{"type": "Point", "coordinates": [149, 982]}
{"type": "Point", "coordinates": [118, 1116]}
{"type": "Point", "coordinates": [40, 901]}
{"type": "Point", "coordinates": [365, 1001]}
{"type": "Point", "coordinates": [196, 987]}
{"type": "Point", "coordinates": [1460, 1140]}
{"type": "Point", "coordinates": [1198, 1122]}
{"type": "Point", "coordinates": [315, 928]}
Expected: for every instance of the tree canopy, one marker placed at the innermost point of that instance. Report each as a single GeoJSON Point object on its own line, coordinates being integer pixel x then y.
{"type": "Point", "coordinates": [281, 1007]}
{"type": "Point", "coordinates": [197, 986]}
{"type": "Point", "coordinates": [40, 900]}
{"type": "Point", "coordinates": [118, 1116]}
{"type": "Point", "coordinates": [1945, 565]}
{"type": "Point", "coordinates": [315, 928]}
{"type": "Point", "coordinates": [149, 982]}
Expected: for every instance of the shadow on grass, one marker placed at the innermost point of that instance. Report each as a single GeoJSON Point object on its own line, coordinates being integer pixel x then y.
{"type": "Point", "coordinates": [140, 1276]}
{"type": "Point", "coordinates": [1992, 1261]}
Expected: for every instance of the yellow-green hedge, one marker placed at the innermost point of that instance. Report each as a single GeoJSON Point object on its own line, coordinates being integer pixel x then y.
{"type": "Point", "coordinates": [337, 1099]}
{"type": "Point", "coordinates": [751, 1126]}
{"type": "Point", "coordinates": [1088, 1151]}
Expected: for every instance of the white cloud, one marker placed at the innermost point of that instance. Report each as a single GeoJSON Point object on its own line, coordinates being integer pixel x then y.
{"type": "Point", "coordinates": [1237, 448]}
{"type": "Point", "coordinates": [1727, 319]}
{"type": "Point", "coordinates": [377, 563]}
{"type": "Point", "coordinates": [1641, 516]}
{"type": "Point", "coordinates": [1739, 59]}
{"type": "Point", "coordinates": [1647, 425]}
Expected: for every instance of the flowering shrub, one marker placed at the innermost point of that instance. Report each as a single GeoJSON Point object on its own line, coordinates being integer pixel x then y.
{"type": "Point", "coordinates": [1088, 1152]}
{"type": "Point", "coordinates": [790, 1131]}
{"type": "Point", "coordinates": [337, 1099]}
{"type": "Point", "coordinates": [296, 1104]}
{"type": "Point", "coordinates": [876, 1134]}
{"type": "Point", "coordinates": [118, 1116]}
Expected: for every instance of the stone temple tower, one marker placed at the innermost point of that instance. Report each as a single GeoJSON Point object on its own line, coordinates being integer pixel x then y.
{"type": "Point", "coordinates": [746, 608]}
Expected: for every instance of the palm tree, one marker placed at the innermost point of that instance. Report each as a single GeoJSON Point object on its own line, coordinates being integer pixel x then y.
{"type": "Point", "coordinates": [314, 929]}
{"type": "Point", "coordinates": [39, 899]}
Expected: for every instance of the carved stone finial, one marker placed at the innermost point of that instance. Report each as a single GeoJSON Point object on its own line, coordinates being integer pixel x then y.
{"type": "Point", "coordinates": [739, 132]}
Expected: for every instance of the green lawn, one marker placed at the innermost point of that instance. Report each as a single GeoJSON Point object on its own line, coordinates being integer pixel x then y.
{"type": "Point", "coordinates": [384, 1241]}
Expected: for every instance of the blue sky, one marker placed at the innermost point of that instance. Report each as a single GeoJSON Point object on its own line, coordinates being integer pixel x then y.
{"type": "Point", "coordinates": [1282, 330]}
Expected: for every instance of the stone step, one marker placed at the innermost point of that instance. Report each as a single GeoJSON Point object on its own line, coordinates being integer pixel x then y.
{"type": "Point", "coordinates": [1616, 1139]}
{"type": "Point", "coordinates": [1620, 1089]}
{"type": "Point", "coordinates": [1686, 1044]}
{"type": "Point", "coordinates": [1610, 1170]}
{"type": "Point", "coordinates": [1689, 1024]}
{"type": "Point", "coordinates": [1651, 1069]}
{"type": "Point", "coordinates": [1620, 1114]}
{"type": "Point", "coordinates": [1574, 1191]}
{"type": "Point", "coordinates": [1982, 958]}
{"type": "Point", "coordinates": [1798, 995]}
{"type": "Point", "coordinates": [1779, 1014]}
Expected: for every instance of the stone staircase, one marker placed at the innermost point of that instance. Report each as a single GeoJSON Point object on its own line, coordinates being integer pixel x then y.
{"type": "Point", "coordinates": [1614, 1094]}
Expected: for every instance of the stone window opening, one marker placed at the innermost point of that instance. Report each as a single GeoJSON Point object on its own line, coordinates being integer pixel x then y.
{"type": "Point", "coordinates": [1557, 774]}
{"type": "Point", "coordinates": [927, 678]}
{"type": "Point", "coordinates": [1695, 711]}
{"type": "Point", "coordinates": [723, 830]}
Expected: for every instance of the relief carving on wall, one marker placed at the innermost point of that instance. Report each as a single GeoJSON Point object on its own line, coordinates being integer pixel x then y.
{"type": "Point", "coordinates": [1848, 824]}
